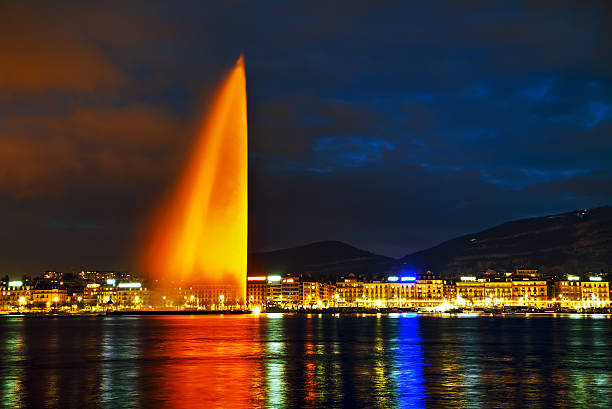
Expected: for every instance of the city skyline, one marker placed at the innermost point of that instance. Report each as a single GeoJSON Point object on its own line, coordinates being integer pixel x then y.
{"type": "Point", "coordinates": [272, 204]}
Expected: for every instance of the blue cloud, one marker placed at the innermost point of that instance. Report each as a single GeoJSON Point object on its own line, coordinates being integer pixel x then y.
{"type": "Point", "coordinates": [540, 92]}
{"type": "Point", "coordinates": [598, 112]}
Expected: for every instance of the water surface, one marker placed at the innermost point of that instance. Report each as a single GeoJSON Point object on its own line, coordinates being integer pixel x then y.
{"type": "Point", "coordinates": [282, 361]}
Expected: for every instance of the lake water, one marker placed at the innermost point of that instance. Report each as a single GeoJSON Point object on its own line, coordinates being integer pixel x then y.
{"type": "Point", "coordinates": [282, 361]}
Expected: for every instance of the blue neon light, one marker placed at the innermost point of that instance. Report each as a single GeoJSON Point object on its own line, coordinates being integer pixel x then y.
{"type": "Point", "coordinates": [409, 278]}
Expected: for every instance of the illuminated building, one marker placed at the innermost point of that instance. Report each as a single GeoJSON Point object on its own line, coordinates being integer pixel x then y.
{"type": "Point", "coordinates": [123, 295]}
{"type": "Point", "coordinates": [49, 297]}
{"type": "Point", "coordinates": [374, 291]}
{"type": "Point", "coordinates": [349, 291]}
{"type": "Point", "coordinates": [594, 289]}
{"type": "Point", "coordinates": [527, 290]}
{"type": "Point", "coordinates": [52, 275]}
{"type": "Point", "coordinates": [291, 292]}
{"type": "Point", "coordinates": [256, 290]}
{"type": "Point", "coordinates": [274, 290]}
{"type": "Point", "coordinates": [497, 291]}
{"type": "Point", "coordinates": [103, 276]}
{"type": "Point", "coordinates": [487, 292]}
{"type": "Point", "coordinates": [569, 289]}
{"type": "Point", "coordinates": [402, 291]}
{"type": "Point", "coordinates": [533, 273]}
{"type": "Point", "coordinates": [15, 295]}
{"type": "Point", "coordinates": [398, 293]}
{"type": "Point", "coordinates": [450, 290]}
{"type": "Point", "coordinates": [471, 289]}
{"type": "Point", "coordinates": [428, 291]}
{"type": "Point", "coordinates": [429, 288]}
{"type": "Point", "coordinates": [90, 294]}
{"type": "Point", "coordinates": [219, 295]}
{"type": "Point", "coordinates": [318, 294]}
{"type": "Point", "coordinates": [576, 291]}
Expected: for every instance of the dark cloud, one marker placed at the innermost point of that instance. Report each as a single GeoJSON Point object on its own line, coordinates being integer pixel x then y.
{"type": "Point", "coordinates": [40, 54]}
{"type": "Point", "coordinates": [389, 125]}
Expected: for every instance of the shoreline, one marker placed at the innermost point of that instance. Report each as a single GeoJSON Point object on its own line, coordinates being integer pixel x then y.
{"type": "Point", "coordinates": [310, 314]}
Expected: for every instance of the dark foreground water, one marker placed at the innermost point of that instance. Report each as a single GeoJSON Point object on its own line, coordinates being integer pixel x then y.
{"type": "Point", "coordinates": [297, 361]}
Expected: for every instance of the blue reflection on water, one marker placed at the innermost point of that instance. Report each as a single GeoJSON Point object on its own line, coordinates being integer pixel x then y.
{"type": "Point", "coordinates": [407, 373]}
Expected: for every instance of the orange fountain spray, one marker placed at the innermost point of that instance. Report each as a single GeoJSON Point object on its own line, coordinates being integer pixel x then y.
{"type": "Point", "coordinates": [200, 235]}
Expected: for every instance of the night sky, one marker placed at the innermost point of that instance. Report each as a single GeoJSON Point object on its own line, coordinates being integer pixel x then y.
{"type": "Point", "coordinates": [391, 126]}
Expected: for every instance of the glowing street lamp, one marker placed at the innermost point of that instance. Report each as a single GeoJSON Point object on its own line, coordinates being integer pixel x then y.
{"type": "Point", "coordinates": [22, 301]}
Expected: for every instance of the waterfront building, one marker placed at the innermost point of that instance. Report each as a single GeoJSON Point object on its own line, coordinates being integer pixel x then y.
{"type": "Point", "coordinates": [48, 297]}
{"type": "Point", "coordinates": [595, 290]}
{"type": "Point", "coordinates": [274, 290]}
{"type": "Point", "coordinates": [256, 291]}
{"type": "Point", "coordinates": [350, 290]}
{"type": "Point", "coordinates": [497, 291]}
{"type": "Point", "coordinates": [403, 291]}
{"type": "Point", "coordinates": [375, 292]}
{"type": "Point", "coordinates": [90, 295]}
{"type": "Point", "coordinates": [318, 294]}
{"type": "Point", "coordinates": [215, 296]}
{"type": "Point", "coordinates": [399, 293]}
{"type": "Point", "coordinates": [15, 295]}
{"type": "Point", "coordinates": [291, 292]}
{"type": "Point", "coordinates": [527, 290]}
{"type": "Point", "coordinates": [492, 290]}
{"type": "Point", "coordinates": [106, 293]}
{"type": "Point", "coordinates": [429, 288]}
{"type": "Point", "coordinates": [449, 290]}
{"type": "Point", "coordinates": [131, 295]}
{"type": "Point", "coordinates": [470, 289]}
{"type": "Point", "coordinates": [569, 289]}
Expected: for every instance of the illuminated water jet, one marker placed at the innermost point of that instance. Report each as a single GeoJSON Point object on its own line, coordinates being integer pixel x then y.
{"type": "Point", "coordinates": [200, 232]}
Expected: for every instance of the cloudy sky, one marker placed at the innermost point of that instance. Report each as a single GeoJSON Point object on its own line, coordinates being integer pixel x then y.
{"type": "Point", "coordinates": [389, 125]}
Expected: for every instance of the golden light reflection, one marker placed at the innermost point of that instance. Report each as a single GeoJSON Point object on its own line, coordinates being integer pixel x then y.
{"type": "Point", "coordinates": [196, 369]}
{"type": "Point", "coordinates": [200, 233]}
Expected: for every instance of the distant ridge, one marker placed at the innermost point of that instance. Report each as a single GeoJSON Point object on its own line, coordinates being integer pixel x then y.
{"type": "Point", "coordinates": [321, 259]}
{"type": "Point", "coordinates": [577, 241]}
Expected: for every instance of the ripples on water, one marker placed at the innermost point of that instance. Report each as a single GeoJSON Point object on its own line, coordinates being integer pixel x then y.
{"type": "Point", "coordinates": [277, 361]}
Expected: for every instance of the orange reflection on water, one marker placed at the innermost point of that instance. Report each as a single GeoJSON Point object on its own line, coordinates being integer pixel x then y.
{"type": "Point", "coordinates": [205, 362]}
{"type": "Point", "coordinates": [200, 232]}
